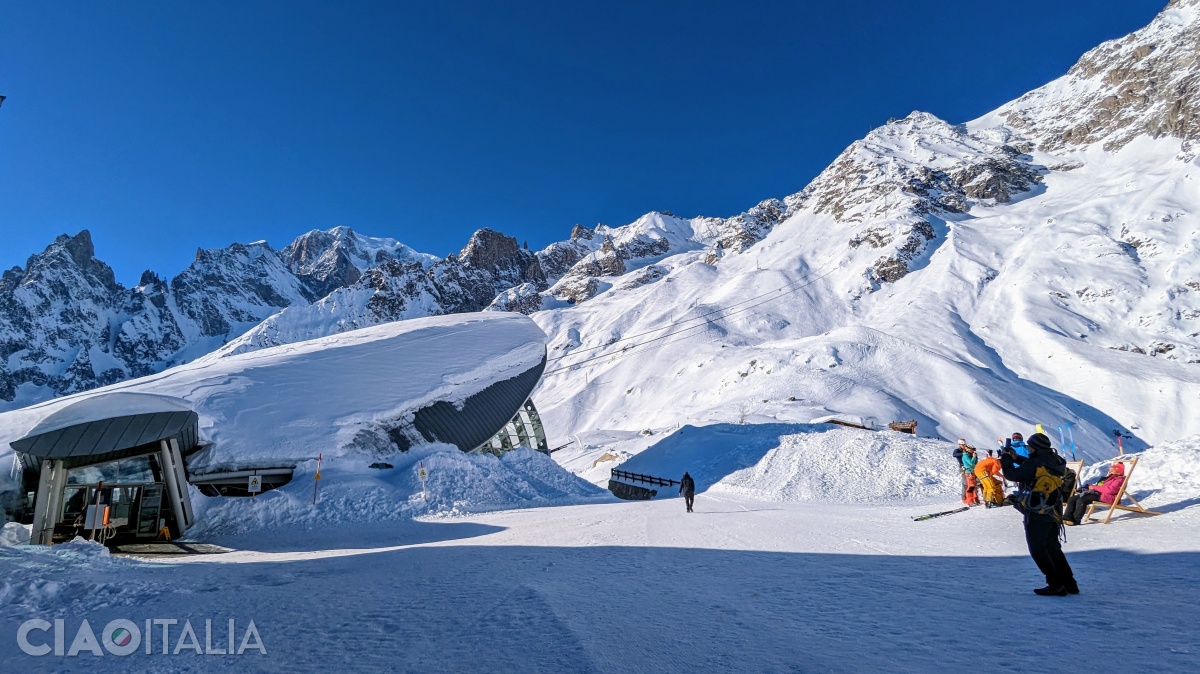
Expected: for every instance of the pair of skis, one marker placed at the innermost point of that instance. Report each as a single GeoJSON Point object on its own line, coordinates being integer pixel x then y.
{"type": "Point", "coordinates": [930, 516]}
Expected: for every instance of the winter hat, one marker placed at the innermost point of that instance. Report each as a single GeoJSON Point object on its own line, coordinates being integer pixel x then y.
{"type": "Point", "coordinates": [1117, 468]}
{"type": "Point", "coordinates": [1038, 442]}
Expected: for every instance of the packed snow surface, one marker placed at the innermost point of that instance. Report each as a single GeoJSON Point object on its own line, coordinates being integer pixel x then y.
{"type": "Point", "coordinates": [643, 587]}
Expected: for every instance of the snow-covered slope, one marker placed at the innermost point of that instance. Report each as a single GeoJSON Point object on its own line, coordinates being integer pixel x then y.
{"type": "Point", "coordinates": [1038, 264]}
{"type": "Point", "coordinates": [979, 278]}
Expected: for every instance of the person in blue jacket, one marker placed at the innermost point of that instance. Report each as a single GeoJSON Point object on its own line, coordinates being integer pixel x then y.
{"type": "Point", "coordinates": [1017, 444]}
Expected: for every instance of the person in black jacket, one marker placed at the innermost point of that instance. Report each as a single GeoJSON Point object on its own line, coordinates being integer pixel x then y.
{"type": "Point", "coordinates": [687, 487]}
{"type": "Point", "coordinates": [1041, 531]}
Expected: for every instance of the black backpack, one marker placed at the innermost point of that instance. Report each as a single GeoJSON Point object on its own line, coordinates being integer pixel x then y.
{"type": "Point", "coordinates": [1070, 479]}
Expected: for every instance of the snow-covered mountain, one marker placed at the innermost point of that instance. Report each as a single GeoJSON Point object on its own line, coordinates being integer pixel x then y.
{"type": "Point", "coordinates": [66, 325]}
{"type": "Point", "coordinates": [1038, 264]}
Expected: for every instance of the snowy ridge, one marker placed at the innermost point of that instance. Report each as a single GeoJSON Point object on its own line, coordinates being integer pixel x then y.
{"type": "Point", "coordinates": [1144, 84]}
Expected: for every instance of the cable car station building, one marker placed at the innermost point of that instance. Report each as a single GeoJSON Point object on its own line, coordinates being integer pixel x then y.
{"type": "Point", "coordinates": [125, 472]}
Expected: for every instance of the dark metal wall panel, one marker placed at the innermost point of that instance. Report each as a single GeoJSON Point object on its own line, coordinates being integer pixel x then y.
{"type": "Point", "coordinates": [481, 415]}
{"type": "Point", "coordinates": [65, 443]}
{"type": "Point", "coordinates": [111, 437]}
{"type": "Point", "coordinates": [114, 438]}
{"type": "Point", "coordinates": [155, 428]}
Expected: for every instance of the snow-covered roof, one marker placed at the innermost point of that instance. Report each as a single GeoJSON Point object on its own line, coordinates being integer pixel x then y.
{"type": "Point", "coordinates": [326, 395]}
{"type": "Point", "coordinates": [103, 428]}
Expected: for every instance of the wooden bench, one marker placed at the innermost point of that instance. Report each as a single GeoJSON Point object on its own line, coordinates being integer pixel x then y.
{"type": "Point", "coordinates": [1130, 464]}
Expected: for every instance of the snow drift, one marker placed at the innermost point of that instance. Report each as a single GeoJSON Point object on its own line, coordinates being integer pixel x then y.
{"type": "Point", "coordinates": [804, 462]}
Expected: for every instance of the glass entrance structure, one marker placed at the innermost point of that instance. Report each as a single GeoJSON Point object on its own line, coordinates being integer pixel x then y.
{"type": "Point", "coordinates": [523, 430]}
{"type": "Point", "coordinates": [111, 475]}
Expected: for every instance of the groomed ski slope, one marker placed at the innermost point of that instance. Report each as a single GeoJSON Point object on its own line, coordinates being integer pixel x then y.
{"type": "Point", "coordinates": [743, 584]}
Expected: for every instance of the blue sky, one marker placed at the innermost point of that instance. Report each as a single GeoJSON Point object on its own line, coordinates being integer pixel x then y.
{"type": "Point", "coordinates": [167, 126]}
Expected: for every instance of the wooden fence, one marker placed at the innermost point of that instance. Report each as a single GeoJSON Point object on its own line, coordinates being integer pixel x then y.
{"type": "Point", "coordinates": [638, 477]}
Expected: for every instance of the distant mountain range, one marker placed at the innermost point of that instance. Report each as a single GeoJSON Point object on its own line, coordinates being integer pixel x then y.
{"type": "Point", "coordinates": [1039, 264]}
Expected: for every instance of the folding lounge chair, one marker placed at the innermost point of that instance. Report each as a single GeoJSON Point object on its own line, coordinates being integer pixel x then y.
{"type": "Point", "coordinates": [1076, 466]}
{"type": "Point", "coordinates": [1130, 464]}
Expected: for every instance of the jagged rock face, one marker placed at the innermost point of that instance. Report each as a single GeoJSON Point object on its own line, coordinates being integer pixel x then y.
{"type": "Point", "coordinates": [66, 325]}
{"type": "Point", "coordinates": [582, 281]}
{"type": "Point", "coordinates": [1146, 83]}
{"type": "Point", "coordinates": [742, 231]}
{"type": "Point", "coordinates": [558, 258]}
{"type": "Point", "coordinates": [524, 299]}
{"type": "Point", "coordinates": [505, 262]}
{"type": "Point", "coordinates": [643, 276]}
{"type": "Point", "coordinates": [336, 258]}
{"type": "Point", "coordinates": [240, 284]}
{"type": "Point", "coordinates": [52, 313]}
{"type": "Point", "coordinates": [905, 176]}
{"type": "Point", "coordinates": [491, 271]}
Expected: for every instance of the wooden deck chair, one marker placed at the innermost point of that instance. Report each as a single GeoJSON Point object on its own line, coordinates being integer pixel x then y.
{"type": "Point", "coordinates": [1130, 464]}
{"type": "Point", "coordinates": [1076, 466]}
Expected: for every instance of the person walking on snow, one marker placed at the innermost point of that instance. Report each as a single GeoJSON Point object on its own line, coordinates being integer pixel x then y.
{"type": "Point", "coordinates": [687, 487]}
{"type": "Point", "coordinates": [1041, 530]}
{"type": "Point", "coordinates": [970, 485]}
{"type": "Point", "coordinates": [1104, 491]}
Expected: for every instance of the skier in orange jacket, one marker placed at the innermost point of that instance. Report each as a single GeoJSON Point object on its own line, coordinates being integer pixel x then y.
{"type": "Point", "coordinates": [989, 473]}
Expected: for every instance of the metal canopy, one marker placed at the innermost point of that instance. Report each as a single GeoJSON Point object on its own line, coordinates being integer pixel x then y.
{"type": "Point", "coordinates": [106, 428]}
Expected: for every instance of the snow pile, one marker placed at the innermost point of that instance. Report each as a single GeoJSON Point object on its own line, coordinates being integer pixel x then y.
{"type": "Point", "coordinates": [1165, 474]}
{"type": "Point", "coordinates": [14, 534]}
{"type": "Point", "coordinates": [457, 483]}
{"type": "Point", "coordinates": [802, 462]}
{"type": "Point", "coordinates": [848, 466]}
{"type": "Point", "coordinates": [68, 577]}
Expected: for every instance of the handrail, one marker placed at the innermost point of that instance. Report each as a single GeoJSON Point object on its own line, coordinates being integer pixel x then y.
{"type": "Point", "coordinates": [648, 479]}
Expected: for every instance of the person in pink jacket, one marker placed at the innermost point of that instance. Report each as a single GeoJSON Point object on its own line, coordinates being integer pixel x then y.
{"type": "Point", "coordinates": [1104, 491]}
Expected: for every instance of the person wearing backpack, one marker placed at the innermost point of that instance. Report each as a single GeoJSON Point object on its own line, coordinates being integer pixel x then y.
{"type": "Point", "coordinates": [988, 472]}
{"type": "Point", "coordinates": [1104, 491]}
{"type": "Point", "coordinates": [1039, 498]}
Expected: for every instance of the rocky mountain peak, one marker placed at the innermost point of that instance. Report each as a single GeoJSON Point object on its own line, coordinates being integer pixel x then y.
{"type": "Point", "coordinates": [1146, 83]}
{"type": "Point", "coordinates": [67, 257]}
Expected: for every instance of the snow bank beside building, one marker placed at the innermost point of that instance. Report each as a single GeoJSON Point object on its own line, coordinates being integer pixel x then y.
{"type": "Point", "coordinates": [457, 483]}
